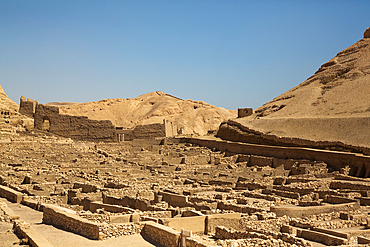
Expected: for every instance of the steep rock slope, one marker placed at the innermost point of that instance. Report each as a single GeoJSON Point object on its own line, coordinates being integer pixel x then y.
{"type": "Point", "coordinates": [7, 104]}
{"type": "Point", "coordinates": [332, 105]}
{"type": "Point", "coordinates": [190, 117]}
{"type": "Point", "coordinates": [10, 119]}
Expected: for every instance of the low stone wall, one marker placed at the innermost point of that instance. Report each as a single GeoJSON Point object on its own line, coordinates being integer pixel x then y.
{"type": "Point", "coordinates": [66, 219]}
{"type": "Point", "coordinates": [132, 202]}
{"type": "Point", "coordinates": [296, 211]}
{"type": "Point", "coordinates": [338, 199]}
{"type": "Point", "coordinates": [321, 237]}
{"type": "Point", "coordinates": [86, 188]}
{"type": "Point", "coordinates": [238, 207]}
{"type": "Point", "coordinates": [224, 233]}
{"type": "Point", "coordinates": [228, 220]}
{"type": "Point", "coordinates": [281, 193]}
{"type": "Point", "coordinates": [110, 208]}
{"type": "Point", "coordinates": [161, 234]}
{"type": "Point", "coordinates": [196, 224]}
{"type": "Point", "coordinates": [362, 240]}
{"type": "Point", "coordinates": [335, 159]}
{"type": "Point", "coordinates": [353, 185]}
{"type": "Point", "coordinates": [24, 230]}
{"type": "Point", "coordinates": [10, 194]}
{"type": "Point", "coordinates": [174, 199]}
{"type": "Point", "coordinates": [167, 237]}
{"type": "Point", "coordinates": [55, 216]}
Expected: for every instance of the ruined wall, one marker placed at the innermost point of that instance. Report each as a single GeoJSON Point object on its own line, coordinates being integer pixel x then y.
{"type": "Point", "coordinates": [27, 107]}
{"type": "Point", "coordinates": [149, 131]}
{"type": "Point", "coordinates": [244, 112]}
{"type": "Point", "coordinates": [71, 222]}
{"type": "Point", "coordinates": [75, 127]}
{"type": "Point", "coordinates": [359, 164]}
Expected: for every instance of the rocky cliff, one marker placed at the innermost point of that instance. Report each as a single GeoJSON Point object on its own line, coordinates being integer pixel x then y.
{"type": "Point", "coordinates": [333, 105]}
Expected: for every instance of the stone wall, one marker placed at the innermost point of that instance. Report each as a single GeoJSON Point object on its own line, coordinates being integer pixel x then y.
{"type": "Point", "coordinates": [75, 127]}
{"type": "Point", "coordinates": [10, 194]}
{"type": "Point", "coordinates": [224, 233]}
{"type": "Point", "coordinates": [174, 199]}
{"type": "Point", "coordinates": [296, 211]}
{"type": "Point", "coordinates": [244, 112]}
{"type": "Point", "coordinates": [149, 131]}
{"type": "Point", "coordinates": [196, 224]}
{"type": "Point", "coordinates": [320, 237]}
{"type": "Point", "coordinates": [359, 164]}
{"type": "Point", "coordinates": [71, 222]}
{"type": "Point", "coordinates": [167, 237]}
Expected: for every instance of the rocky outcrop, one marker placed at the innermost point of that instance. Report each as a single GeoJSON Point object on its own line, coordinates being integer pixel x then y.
{"type": "Point", "coordinates": [330, 106]}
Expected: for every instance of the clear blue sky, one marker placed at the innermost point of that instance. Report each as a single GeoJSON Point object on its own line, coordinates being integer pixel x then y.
{"type": "Point", "coordinates": [227, 53]}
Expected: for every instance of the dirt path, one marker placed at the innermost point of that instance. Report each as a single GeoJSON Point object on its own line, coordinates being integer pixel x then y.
{"type": "Point", "coordinates": [60, 238]}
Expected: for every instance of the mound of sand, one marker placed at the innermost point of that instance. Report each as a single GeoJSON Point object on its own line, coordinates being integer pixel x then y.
{"type": "Point", "coordinates": [190, 117]}
{"type": "Point", "coordinates": [332, 105]}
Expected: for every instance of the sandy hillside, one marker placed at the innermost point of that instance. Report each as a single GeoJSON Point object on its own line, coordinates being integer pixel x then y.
{"type": "Point", "coordinates": [10, 119]}
{"type": "Point", "coordinates": [190, 117]}
{"type": "Point", "coordinates": [331, 105]}
{"type": "Point", "coordinates": [6, 103]}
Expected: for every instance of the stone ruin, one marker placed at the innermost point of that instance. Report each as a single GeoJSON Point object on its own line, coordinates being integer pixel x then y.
{"type": "Point", "coordinates": [48, 118]}
{"type": "Point", "coordinates": [244, 112]}
{"type": "Point", "coordinates": [101, 181]}
{"type": "Point", "coordinates": [226, 194]}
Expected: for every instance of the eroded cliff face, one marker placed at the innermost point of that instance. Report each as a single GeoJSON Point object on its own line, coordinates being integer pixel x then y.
{"type": "Point", "coordinates": [340, 87]}
{"type": "Point", "coordinates": [333, 106]}
{"type": "Point", "coordinates": [189, 117]}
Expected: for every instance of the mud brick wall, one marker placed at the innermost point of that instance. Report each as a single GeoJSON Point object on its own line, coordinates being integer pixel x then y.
{"type": "Point", "coordinates": [149, 131]}
{"type": "Point", "coordinates": [337, 160]}
{"type": "Point", "coordinates": [27, 107]}
{"type": "Point", "coordinates": [70, 222]}
{"type": "Point", "coordinates": [75, 127]}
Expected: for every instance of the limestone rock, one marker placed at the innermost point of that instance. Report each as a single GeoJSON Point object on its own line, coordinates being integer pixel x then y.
{"type": "Point", "coordinates": [367, 33]}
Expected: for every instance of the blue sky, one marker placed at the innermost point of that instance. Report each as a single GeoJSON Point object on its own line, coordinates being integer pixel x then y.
{"type": "Point", "coordinates": [227, 53]}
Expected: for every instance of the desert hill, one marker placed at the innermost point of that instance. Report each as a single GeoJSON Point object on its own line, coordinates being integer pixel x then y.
{"type": "Point", "coordinates": [10, 119]}
{"type": "Point", "coordinates": [190, 117]}
{"type": "Point", "coordinates": [6, 103]}
{"type": "Point", "coordinates": [332, 105]}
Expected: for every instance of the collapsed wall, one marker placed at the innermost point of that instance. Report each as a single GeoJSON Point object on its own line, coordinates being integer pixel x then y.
{"type": "Point", "coordinates": [49, 119]}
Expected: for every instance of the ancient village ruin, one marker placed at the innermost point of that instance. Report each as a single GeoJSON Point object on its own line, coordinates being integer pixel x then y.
{"type": "Point", "coordinates": [93, 181]}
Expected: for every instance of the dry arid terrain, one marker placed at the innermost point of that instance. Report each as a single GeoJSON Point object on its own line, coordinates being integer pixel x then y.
{"type": "Point", "coordinates": [294, 173]}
